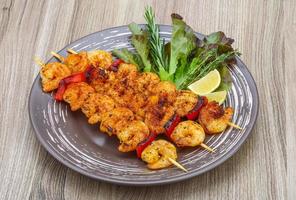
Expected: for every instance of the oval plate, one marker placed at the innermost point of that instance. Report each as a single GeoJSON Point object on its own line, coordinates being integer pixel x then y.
{"type": "Point", "coordinates": [70, 139]}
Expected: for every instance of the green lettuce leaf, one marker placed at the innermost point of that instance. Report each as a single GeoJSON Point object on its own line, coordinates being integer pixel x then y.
{"type": "Point", "coordinates": [226, 81]}
{"type": "Point", "coordinates": [182, 43]}
{"type": "Point", "coordinates": [222, 43]}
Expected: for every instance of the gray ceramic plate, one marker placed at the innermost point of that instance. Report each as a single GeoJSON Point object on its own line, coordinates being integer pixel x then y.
{"type": "Point", "coordinates": [70, 139]}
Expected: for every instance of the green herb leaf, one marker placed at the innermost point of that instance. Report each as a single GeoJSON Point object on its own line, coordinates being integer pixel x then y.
{"type": "Point", "coordinates": [141, 43]}
{"type": "Point", "coordinates": [127, 56]}
{"type": "Point", "coordinates": [135, 29]}
{"type": "Point", "coordinates": [120, 54]}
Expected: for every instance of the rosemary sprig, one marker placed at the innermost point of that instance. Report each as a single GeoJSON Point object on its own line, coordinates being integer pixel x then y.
{"type": "Point", "coordinates": [156, 44]}
{"type": "Point", "coordinates": [204, 67]}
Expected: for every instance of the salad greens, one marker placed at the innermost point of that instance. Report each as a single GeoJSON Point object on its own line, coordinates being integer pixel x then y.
{"type": "Point", "coordinates": [183, 60]}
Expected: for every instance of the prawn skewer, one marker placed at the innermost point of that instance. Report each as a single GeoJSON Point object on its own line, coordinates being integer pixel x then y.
{"type": "Point", "coordinates": [215, 119]}
{"type": "Point", "coordinates": [159, 154]}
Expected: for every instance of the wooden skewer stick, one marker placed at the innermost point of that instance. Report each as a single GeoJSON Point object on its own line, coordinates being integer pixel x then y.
{"type": "Point", "coordinates": [39, 61]}
{"type": "Point", "coordinates": [207, 147]}
{"type": "Point", "coordinates": [234, 125]}
{"type": "Point", "coordinates": [61, 58]}
{"type": "Point", "coordinates": [177, 164]}
{"type": "Point", "coordinates": [72, 51]}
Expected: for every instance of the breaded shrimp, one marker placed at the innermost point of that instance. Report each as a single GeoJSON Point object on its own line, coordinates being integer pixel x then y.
{"type": "Point", "coordinates": [157, 116]}
{"type": "Point", "coordinates": [166, 89]}
{"type": "Point", "coordinates": [157, 154]}
{"type": "Point", "coordinates": [136, 102]}
{"type": "Point", "coordinates": [147, 82]}
{"type": "Point", "coordinates": [100, 80]}
{"type": "Point", "coordinates": [76, 94]}
{"type": "Point", "coordinates": [125, 69]}
{"type": "Point", "coordinates": [130, 136]}
{"type": "Point", "coordinates": [185, 102]}
{"type": "Point", "coordinates": [77, 62]}
{"type": "Point", "coordinates": [100, 58]}
{"type": "Point", "coordinates": [188, 134]}
{"type": "Point", "coordinates": [51, 75]}
{"type": "Point", "coordinates": [115, 120]}
{"type": "Point", "coordinates": [213, 118]}
{"type": "Point", "coordinates": [96, 105]}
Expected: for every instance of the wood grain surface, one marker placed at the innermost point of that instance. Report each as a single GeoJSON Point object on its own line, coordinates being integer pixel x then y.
{"type": "Point", "coordinates": [264, 30]}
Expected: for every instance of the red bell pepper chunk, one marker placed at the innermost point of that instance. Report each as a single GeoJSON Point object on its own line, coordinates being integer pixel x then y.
{"type": "Point", "coordinates": [74, 78]}
{"type": "Point", "coordinates": [171, 125]}
{"type": "Point", "coordinates": [141, 146]}
{"type": "Point", "coordinates": [89, 73]}
{"type": "Point", "coordinates": [193, 114]}
{"type": "Point", "coordinates": [117, 62]}
{"type": "Point", "coordinates": [61, 90]}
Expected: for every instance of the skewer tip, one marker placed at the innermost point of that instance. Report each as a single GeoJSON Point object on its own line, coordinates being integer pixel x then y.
{"type": "Point", "coordinates": [38, 61]}
{"type": "Point", "coordinates": [206, 147]}
{"type": "Point", "coordinates": [61, 58]}
{"type": "Point", "coordinates": [177, 164]}
{"type": "Point", "coordinates": [72, 51]}
{"type": "Point", "coordinates": [234, 126]}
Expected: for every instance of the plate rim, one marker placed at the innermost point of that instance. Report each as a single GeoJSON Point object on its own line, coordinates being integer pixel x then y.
{"type": "Point", "coordinates": [233, 150]}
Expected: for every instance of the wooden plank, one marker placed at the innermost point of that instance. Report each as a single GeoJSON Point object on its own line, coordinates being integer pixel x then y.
{"type": "Point", "coordinates": [290, 92]}
{"type": "Point", "coordinates": [264, 33]}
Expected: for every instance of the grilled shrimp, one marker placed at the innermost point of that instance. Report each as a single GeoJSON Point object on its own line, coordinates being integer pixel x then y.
{"type": "Point", "coordinates": [51, 74]}
{"type": "Point", "coordinates": [185, 102]}
{"type": "Point", "coordinates": [77, 62]}
{"type": "Point", "coordinates": [166, 89]}
{"type": "Point", "coordinates": [100, 80]}
{"type": "Point", "coordinates": [125, 69]}
{"type": "Point", "coordinates": [213, 118]}
{"type": "Point", "coordinates": [126, 75]}
{"type": "Point", "coordinates": [100, 58]}
{"type": "Point", "coordinates": [157, 116]}
{"type": "Point", "coordinates": [121, 84]}
{"type": "Point", "coordinates": [96, 105]}
{"type": "Point", "coordinates": [188, 134]}
{"type": "Point", "coordinates": [147, 82]}
{"type": "Point", "coordinates": [157, 154]}
{"type": "Point", "coordinates": [136, 102]}
{"type": "Point", "coordinates": [76, 94]}
{"type": "Point", "coordinates": [130, 136]}
{"type": "Point", "coordinates": [115, 120]}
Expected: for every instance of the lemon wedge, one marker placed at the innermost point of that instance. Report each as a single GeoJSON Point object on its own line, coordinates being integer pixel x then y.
{"type": "Point", "coordinates": [206, 84]}
{"type": "Point", "coordinates": [217, 96]}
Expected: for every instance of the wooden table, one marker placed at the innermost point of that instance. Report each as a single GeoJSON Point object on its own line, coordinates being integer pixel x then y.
{"type": "Point", "coordinates": [264, 31]}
